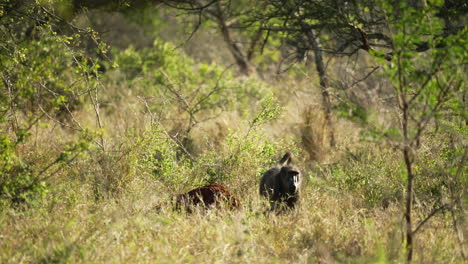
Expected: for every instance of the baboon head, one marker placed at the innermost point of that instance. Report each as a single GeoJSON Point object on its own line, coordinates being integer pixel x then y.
{"type": "Point", "coordinates": [289, 175]}
{"type": "Point", "coordinates": [290, 180]}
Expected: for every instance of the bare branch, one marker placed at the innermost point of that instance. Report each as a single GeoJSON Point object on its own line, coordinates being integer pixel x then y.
{"type": "Point", "coordinates": [174, 139]}
{"type": "Point", "coordinates": [435, 211]}
{"type": "Point", "coordinates": [365, 77]}
{"type": "Point", "coordinates": [194, 5]}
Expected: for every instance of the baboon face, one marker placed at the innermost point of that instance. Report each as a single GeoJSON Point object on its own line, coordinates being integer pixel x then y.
{"type": "Point", "coordinates": [290, 180]}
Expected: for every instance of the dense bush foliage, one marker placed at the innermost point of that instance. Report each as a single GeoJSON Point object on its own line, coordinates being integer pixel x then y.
{"type": "Point", "coordinates": [42, 78]}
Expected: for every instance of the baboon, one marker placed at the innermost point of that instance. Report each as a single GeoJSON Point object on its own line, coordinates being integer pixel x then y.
{"type": "Point", "coordinates": [281, 184]}
{"type": "Point", "coordinates": [207, 196]}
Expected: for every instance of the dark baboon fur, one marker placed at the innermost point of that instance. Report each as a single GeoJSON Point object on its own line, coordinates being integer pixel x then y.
{"type": "Point", "coordinates": [281, 184]}
{"type": "Point", "coordinates": [206, 196]}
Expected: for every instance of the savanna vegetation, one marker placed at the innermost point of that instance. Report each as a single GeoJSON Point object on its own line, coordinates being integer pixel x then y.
{"type": "Point", "coordinates": [108, 109]}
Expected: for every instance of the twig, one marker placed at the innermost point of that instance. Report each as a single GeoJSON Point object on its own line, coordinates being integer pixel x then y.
{"type": "Point", "coordinates": [435, 211]}
{"type": "Point", "coordinates": [199, 7]}
{"type": "Point", "coordinates": [174, 139]}
{"type": "Point", "coordinates": [56, 120]}
{"type": "Point", "coordinates": [365, 77]}
{"type": "Point", "coordinates": [459, 234]}
{"type": "Point", "coordinates": [7, 83]}
{"type": "Point", "coordinates": [66, 107]}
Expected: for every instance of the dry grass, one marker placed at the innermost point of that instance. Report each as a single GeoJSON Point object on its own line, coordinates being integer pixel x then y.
{"type": "Point", "coordinates": [106, 208]}
{"type": "Point", "coordinates": [141, 227]}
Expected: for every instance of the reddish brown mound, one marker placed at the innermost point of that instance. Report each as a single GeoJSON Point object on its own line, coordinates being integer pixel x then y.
{"type": "Point", "coordinates": [207, 196]}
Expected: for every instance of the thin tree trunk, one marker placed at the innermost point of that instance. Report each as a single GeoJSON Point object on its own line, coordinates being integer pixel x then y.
{"type": "Point", "coordinates": [253, 44]}
{"type": "Point", "coordinates": [323, 85]}
{"type": "Point", "coordinates": [409, 205]}
{"type": "Point", "coordinates": [241, 60]}
{"type": "Point", "coordinates": [409, 183]}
